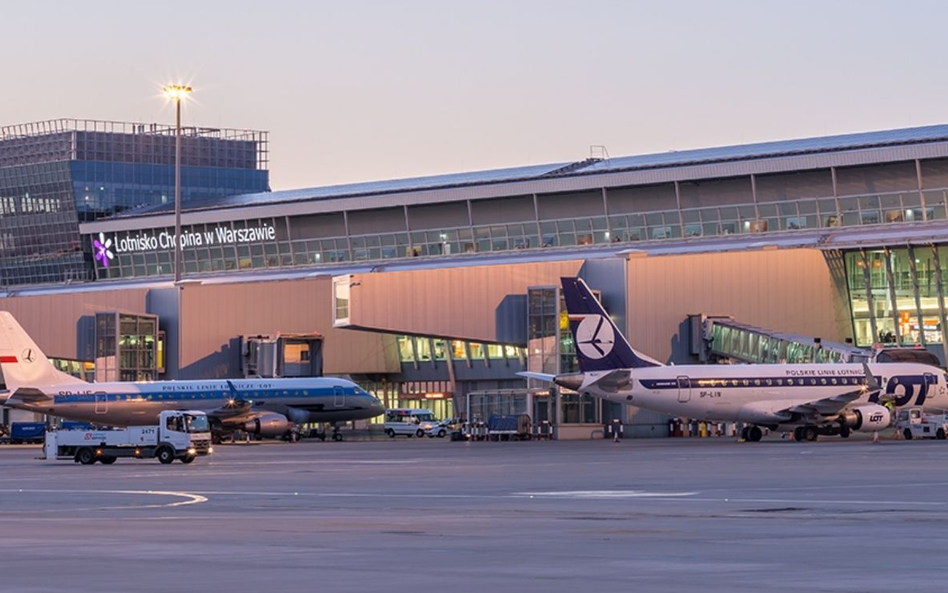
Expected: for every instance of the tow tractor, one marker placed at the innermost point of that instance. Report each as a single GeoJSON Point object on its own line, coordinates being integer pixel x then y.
{"type": "Point", "coordinates": [915, 423]}
{"type": "Point", "coordinates": [180, 434]}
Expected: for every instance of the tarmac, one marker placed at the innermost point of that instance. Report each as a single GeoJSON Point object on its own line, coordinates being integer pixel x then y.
{"type": "Point", "coordinates": [430, 515]}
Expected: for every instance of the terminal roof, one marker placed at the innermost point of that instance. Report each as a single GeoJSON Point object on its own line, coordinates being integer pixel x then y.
{"type": "Point", "coordinates": [743, 152]}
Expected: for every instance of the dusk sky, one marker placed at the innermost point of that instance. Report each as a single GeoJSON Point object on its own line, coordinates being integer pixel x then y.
{"type": "Point", "coordinates": [359, 91]}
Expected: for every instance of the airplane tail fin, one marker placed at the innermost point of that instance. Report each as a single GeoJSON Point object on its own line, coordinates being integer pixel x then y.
{"type": "Point", "coordinates": [24, 365]}
{"type": "Point", "coordinates": [600, 345]}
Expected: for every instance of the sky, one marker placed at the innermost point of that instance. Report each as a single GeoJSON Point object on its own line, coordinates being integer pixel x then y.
{"type": "Point", "coordinates": [367, 90]}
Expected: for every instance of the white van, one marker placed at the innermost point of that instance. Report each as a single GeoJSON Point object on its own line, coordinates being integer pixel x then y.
{"type": "Point", "coordinates": [410, 422]}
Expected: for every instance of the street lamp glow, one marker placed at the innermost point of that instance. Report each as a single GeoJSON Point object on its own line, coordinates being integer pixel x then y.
{"type": "Point", "coordinates": [176, 92]}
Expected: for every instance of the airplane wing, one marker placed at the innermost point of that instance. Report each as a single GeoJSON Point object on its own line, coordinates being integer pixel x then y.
{"type": "Point", "coordinates": [538, 376]}
{"type": "Point", "coordinates": [233, 410]}
{"type": "Point", "coordinates": [831, 406]}
{"type": "Point", "coordinates": [828, 406]}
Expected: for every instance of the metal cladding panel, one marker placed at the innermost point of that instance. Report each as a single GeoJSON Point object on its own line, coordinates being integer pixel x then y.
{"type": "Point", "coordinates": [479, 303]}
{"type": "Point", "coordinates": [365, 222]}
{"type": "Point", "coordinates": [790, 290]}
{"type": "Point", "coordinates": [215, 316]}
{"type": "Point", "coordinates": [715, 192]}
{"type": "Point", "coordinates": [935, 173]}
{"type": "Point", "coordinates": [570, 205]}
{"type": "Point", "coordinates": [792, 186]}
{"type": "Point", "coordinates": [876, 178]}
{"type": "Point", "coordinates": [53, 320]}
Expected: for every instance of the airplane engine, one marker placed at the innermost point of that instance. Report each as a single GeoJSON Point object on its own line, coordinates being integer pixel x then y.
{"type": "Point", "coordinates": [867, 418]}
{"type": "Point", "coordinates": [268, 425]}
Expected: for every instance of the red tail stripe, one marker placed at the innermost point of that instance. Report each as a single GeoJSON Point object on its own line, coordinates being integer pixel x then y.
{"type": "Point", "coordinates": [5, 359]}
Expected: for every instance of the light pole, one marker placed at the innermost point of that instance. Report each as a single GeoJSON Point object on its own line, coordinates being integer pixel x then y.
{"type": "Point", "coordinates": [177, 92]}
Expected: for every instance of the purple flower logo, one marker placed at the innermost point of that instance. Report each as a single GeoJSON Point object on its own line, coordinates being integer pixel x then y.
{"type": "Point", "coordinates": [102, 251]}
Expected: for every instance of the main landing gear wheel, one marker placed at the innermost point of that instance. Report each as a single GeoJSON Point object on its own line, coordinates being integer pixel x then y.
{"type": "Point", "coordinates": [754, 434]}
{"type": "Point", "coordinates": [809, 433]}
{"type": "Point", "coordinates": [798, 434]}
{"type": "Point", "coordinates": [907, 433]}
{"type": "Point", "coordinates": [844, 431]}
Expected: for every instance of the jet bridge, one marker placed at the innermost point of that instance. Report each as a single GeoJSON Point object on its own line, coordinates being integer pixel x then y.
{"type": "Point", "coordinates": [718, 339]}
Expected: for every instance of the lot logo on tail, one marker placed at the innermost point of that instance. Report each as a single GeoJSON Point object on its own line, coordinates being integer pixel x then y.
{"type": "Point", "coordinates": [594, 337]}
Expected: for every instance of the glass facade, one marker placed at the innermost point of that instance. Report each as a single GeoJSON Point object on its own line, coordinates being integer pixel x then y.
{"type": "Point", "coordinates": [897, 294]}
{"type": "Point", "coordinates": [551, 350]}
{"type": "Point", "coordinates": [126, 347]}
{"type": "Point", "coordinates": [56, 174]}
{"type": "Point", "coordinates": [293, 241]}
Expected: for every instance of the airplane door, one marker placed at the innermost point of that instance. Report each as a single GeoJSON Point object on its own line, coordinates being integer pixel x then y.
{"type": "Point", "coordinates": [684, 389]}
{"type": "Point", "coordinates": [339, 397]}
{"type": "Point", "coordinates": [101, 402]}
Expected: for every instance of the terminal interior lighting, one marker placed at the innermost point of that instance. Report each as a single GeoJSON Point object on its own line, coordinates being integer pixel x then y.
{"type": "Point", "coordinates": [176, 92]}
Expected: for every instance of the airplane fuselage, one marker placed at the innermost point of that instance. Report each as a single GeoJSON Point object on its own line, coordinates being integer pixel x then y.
{"type": "Point", "coordinates": [753, 393]}
{"type": "Point", "coordinates": [128, 404]}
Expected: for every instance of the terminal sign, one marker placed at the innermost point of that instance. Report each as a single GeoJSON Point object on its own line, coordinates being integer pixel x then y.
{"type": "Point", "coordinates": [165, 239]}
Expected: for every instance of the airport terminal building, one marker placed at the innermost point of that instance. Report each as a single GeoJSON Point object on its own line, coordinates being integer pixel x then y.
{"type": "Point", "coordinates": [435, 291]}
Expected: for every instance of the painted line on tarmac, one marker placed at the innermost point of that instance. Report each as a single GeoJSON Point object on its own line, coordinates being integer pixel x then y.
{"type": "Point", "coordinates": [603, 494]}
{"type": "Point", "coordinates": [189, 498]}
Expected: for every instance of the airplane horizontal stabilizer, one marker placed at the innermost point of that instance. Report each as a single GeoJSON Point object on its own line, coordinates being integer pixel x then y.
{"type": "Point", "coordinates": [538, 376]}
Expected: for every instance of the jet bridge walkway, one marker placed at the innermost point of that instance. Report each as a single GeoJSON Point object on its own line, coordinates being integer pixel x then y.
{"type": "Point", "coordinates": [722, 338]}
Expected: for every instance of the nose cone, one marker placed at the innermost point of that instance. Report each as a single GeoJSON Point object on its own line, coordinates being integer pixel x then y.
{"type": "Point", "coordinates": [375, 406]}
{"type": "Point", "coordinates": [570, 381]}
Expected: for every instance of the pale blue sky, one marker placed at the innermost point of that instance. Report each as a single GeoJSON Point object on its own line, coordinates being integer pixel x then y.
{"type": "Point", "coordinates": [357, 91]}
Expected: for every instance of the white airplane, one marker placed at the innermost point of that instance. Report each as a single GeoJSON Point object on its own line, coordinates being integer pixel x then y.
{"type": "Point", "coordinates": [807, 399]}
{"type": "Point", "coordinates": [267, 407]}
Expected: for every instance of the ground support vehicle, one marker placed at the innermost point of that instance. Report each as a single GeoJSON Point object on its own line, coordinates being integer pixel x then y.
{"type": "Point", "coordinates": [914, 423]}
{"type": "Point", "coordinates": [183, 435]}
{"type": "Point", "coordinates": [509, 428]}
{"type": "Point", "coordinates": [26, 433]}
{"type": "Point", "coordinates": [409, 422]}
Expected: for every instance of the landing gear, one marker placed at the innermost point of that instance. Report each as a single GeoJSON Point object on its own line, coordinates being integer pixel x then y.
{"type": "Point", "coordinates": [752, 434]}
{"type": "Point", "coordinates": [844, 431]}
{"type": "Point", "coordinates": [809, 433]}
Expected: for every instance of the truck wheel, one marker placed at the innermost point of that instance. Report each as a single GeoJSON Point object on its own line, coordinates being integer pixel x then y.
{"type": "Point", "coordinates": [107, 460]}
{"type": "Point", "coordinates": [441, 433]}
{"type": "Point", "coordinates": [85, 456]}
{"type": "Point", "coordinates": [165, 455]}
{"type": "Point", "coordinates": [187, 459]}
{"type": "Point", "coordinates": [940, 434]}
{"type": "Point", "coordinates": [419, 433]}
{"type": "Point", "coordinates": [390, 433]}
{"type": "Point", "coordinates": [907, 433]}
